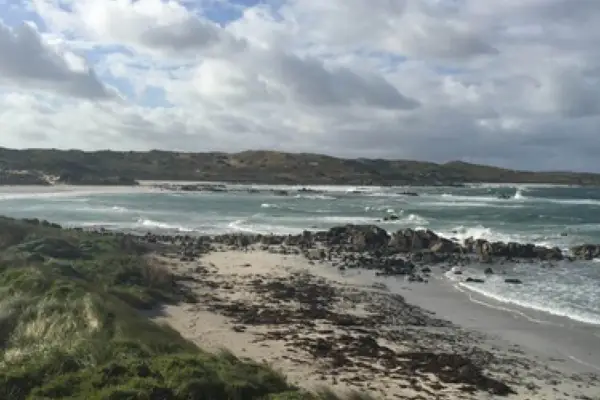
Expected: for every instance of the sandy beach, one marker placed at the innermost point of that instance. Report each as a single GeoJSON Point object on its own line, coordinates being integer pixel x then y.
{"type": "Point", "coordinates": [354, 331]}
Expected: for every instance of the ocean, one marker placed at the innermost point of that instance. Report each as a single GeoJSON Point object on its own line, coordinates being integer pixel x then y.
{"type": "Point", "coordinates": [541, 214]}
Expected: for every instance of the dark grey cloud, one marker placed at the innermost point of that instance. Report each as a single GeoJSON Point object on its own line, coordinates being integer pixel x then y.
{"type": "Point", "coordinates": [312, 83]}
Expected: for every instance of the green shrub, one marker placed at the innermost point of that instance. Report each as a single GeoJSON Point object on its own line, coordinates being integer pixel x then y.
{"type": "Point", "coordinates": [70, 326]}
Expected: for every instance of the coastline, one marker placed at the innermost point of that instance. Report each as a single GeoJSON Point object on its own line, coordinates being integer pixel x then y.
{"type": "Point", "coordinates": [528, 357]}
{"type": "Point", "coordinates": [561, 342]}
{"type": "Point", "coordinates": [346, 350]}
{"type": "Point", "coordinates": [326, 316]}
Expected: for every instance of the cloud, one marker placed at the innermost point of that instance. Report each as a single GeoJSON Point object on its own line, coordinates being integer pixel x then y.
{"type": "Point", "coordinates": [412, 28]}
{"type": "Point", "coordinates": [154, 25]}
{"type": "Point", "coordinates": [27, 61]}
{"type": "Point", "coordinates": [513, 83]}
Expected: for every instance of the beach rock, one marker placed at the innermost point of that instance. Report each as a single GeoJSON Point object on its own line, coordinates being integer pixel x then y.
{"type": "Point", "coordinates": [409, 240]}
{"type": "Point", "coordinates": [416, 278]}
{"type": "Point", "coordinates": [474, 280]}
{"type": "Point", "coordinates": [316, 254]}
{"type": "Point", "coordinates": [271, 240]}
{"type": "Point", "coordinates": [469, 244]}
{"type": "Point", "coordinates": [429, 257]}
{"type": "Point", "coordinates": [549, 254]}
{"type": "Point", "coordinates": [488, 271]}
{"type": "Point", "coordinates": [359, 238]}
{"type": "Point", "coordinates": [486, 250]}
{"type": "Point", "coordinates": [586, 251]}
{"type": "Point", "coordinates": [401, 241]}
{"type": "Point", "coordinates": [513, 281]}
{"type": "Point", "coordinates": [444, 246]}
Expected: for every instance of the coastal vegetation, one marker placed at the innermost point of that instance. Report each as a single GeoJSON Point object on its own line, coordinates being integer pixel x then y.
{"type": "Point", "coordinates": [71, 325]}
{"type": "Point", "coordinates": [44, 166]}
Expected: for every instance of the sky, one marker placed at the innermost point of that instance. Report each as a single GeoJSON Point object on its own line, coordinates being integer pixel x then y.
{"type": "Point", "coordinates": [514, 83]}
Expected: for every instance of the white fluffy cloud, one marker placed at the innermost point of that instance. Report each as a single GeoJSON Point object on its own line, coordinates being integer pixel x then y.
{"type": "Point", "coordinates": [513, 83]}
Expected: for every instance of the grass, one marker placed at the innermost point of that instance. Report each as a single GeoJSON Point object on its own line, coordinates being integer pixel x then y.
{"type": "Point", "coordinates": [70, 326]}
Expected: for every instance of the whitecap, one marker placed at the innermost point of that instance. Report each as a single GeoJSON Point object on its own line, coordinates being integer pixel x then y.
{"type": "Point", "coordinates": [539, 304]}
{"type": "Point", "coordinates": [314, 197]}
{"type": "Point", "coordinates": [269, 205]}
{"type": "Point", "coordinates": [478, 232]}
{"type": "Point", "coordinates": [151, 224]}
{"type": "Point", "coordinates": [519, 195]}
{"type": "Point", "coordinates": [245, 226]}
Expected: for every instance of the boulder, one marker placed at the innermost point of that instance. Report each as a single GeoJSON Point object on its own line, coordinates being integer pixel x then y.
{"type": "Point", "coordinates": [401, 241]}
{"type": "Point", "coordinates": [359, 237]}
{"type": "Point", "coordinates": [514, 281]}
{"type": "Point", "coordinates": [444, 246]}
{"type": "Point", "coordinates": [409, 240]}
{"type": "Point", "coordinates": [549, 254]}
{"type": "Point", "coordinates": [474, 280]}
{"type": "Point", "coordinates": [586, 251]}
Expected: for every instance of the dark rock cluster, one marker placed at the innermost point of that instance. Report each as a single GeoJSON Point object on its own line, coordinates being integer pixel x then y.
{"type": "Point", "coordinates": [406, 252]}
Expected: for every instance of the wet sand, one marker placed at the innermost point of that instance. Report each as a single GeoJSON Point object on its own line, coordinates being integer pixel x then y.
{"type": "Point", "coordinates": [561, 342]}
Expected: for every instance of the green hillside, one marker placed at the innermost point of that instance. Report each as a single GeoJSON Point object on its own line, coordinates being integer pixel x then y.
{"type": "Point", "coordinates": [114, 168]}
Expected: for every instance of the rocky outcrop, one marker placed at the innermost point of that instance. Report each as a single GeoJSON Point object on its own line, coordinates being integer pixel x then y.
{"type": "Point", "coordinates": [358, 237]}
{"type": "Point", "coordinates": [374, 246]}
{"type": "Point", "coordinates": [487, 251]}
{"type": "Point", "coordinates": [586, 251]}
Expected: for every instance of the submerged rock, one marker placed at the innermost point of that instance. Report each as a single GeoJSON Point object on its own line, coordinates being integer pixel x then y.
{"type": "Point", "coordinates": [586, 251]}
{"type": "Point", "coordinates": [474, 280]}
{"type": "Point", "coordinates": [513, 281]}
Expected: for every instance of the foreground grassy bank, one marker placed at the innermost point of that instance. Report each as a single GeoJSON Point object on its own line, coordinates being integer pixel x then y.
{"type": "Point", "coordinates": [70, 325]}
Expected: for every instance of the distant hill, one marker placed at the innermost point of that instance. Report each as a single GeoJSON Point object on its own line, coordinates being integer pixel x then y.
{"type": "Point", "coordinates": [48, 166]}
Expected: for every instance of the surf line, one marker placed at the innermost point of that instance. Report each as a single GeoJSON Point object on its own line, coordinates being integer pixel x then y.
{"type": "Point", "coordinates": [506, 309]}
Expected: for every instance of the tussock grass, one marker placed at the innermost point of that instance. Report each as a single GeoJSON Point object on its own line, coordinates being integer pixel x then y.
{"type": "Point", "coordinates": [70, 326]}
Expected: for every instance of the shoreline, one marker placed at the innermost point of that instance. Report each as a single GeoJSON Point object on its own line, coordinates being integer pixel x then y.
{"type": "Point", "coordinates": [551, 336]}
{"type": "Point", "coordinates": [67, 190]}
{"type": "Point", "coordinates": [326, 309]}
{"type": "Point", "coordinates": [449, 322]}
{"type": "Point", "coordinates": [343, 341]}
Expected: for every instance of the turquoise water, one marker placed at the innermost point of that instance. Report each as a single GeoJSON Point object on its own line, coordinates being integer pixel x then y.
{"type": "Point", "coordinates": [546, 215]}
